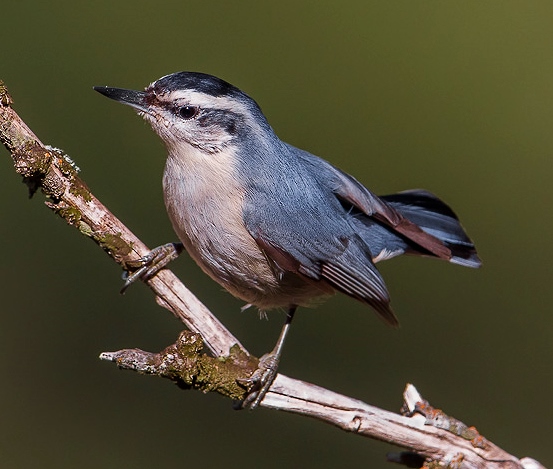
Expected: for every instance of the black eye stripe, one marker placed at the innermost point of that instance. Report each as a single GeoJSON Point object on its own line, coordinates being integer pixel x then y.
{"type": "Point", "coordinates": [227, 120]}
{"type": "Point", "coordinates": [188, 112]}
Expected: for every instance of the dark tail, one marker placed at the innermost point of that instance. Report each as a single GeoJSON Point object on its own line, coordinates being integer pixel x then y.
{"type": "Point", "coordinates": [436, 218]}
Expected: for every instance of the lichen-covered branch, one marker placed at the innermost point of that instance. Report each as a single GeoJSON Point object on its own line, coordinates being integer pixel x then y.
{"type": "Point", "coordinates": [185, 363]}
{"type": "Point", "coordinates": [430, 436]}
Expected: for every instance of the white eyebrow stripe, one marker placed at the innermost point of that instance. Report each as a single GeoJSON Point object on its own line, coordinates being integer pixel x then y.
{"type": "Point", "coordinates": [206, 101]}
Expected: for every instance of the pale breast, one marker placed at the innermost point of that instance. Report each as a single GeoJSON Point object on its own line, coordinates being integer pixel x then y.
{"type": "Point", "coordinates": [204, 202]}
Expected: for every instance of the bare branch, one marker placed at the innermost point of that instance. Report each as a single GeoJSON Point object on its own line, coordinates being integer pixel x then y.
{"type": "Point", "coordinates": [427, 433]}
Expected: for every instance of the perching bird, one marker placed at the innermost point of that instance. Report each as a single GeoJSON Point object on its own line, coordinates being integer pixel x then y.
{"type": "Point", "coordinates": [273, 224]}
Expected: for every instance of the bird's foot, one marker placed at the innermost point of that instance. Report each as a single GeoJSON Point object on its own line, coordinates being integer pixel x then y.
{"type": "Point", "coordinates": [149, 265]}
{"type": "Point", "coordinates": [259, 383]}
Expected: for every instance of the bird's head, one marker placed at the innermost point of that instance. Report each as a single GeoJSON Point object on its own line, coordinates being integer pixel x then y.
{"type": "Point", "coordinates": [196, 109]}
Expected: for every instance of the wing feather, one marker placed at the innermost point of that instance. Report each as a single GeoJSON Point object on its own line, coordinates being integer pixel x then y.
{"type": "Point", "coordinates": [347, 188]}
{"type": "Point", "coordinates": [350, 272]}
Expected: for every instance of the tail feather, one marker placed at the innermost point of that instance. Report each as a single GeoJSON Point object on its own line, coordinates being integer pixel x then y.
{"type": "Point", "coordinates": [435, 218]}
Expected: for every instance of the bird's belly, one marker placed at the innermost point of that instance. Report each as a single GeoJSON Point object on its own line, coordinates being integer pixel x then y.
{"type": "Point", "coordinates": [229, 258]}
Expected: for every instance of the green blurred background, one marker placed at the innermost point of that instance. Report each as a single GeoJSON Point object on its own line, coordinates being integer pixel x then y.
{"type": "Point", "coordinates": [454, 97]}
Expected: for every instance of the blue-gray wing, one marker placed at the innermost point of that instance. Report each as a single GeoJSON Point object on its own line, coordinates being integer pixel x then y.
{"type": "Point", "coordinates": [308, 234]}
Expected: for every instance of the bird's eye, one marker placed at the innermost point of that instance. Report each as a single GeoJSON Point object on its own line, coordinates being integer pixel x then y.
{"type": "Point", "coordinates": [188, 112]}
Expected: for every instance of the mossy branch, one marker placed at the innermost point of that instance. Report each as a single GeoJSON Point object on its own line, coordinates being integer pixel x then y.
{"type": "Point", "coordinates": [186, 365]}
{"type": "Point", "coordinates": [431, 437]}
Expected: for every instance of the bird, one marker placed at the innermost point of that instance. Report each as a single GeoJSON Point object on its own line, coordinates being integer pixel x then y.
{"type": "Point", "coordinates": [275, 225]}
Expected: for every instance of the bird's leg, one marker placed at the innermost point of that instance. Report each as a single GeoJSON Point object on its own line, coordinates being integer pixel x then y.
{"type": "Point", "coordinates": [149, 265]}
{"type": "Point", "coordinates": [262, 378]}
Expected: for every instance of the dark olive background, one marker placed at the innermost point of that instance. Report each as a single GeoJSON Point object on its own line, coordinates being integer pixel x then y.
{"type": "Point", "coordinates": [455, 97]}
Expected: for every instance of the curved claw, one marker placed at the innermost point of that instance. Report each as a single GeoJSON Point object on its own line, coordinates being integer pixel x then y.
{"type": "Point", "coordinates": [149, 265]}
{"type": "Point", "coordinates": [260, 381]}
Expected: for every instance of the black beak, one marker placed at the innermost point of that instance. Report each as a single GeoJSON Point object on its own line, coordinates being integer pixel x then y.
{"type": "Point", "coordinates": [136, 99]}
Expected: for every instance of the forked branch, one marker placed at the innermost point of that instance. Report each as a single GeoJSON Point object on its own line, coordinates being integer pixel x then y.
{"type": "Point", "coordinates": [429, 436]}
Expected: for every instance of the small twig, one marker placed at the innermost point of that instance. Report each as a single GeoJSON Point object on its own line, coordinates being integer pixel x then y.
{"type": "Point", "coordinates": [426, 432]}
